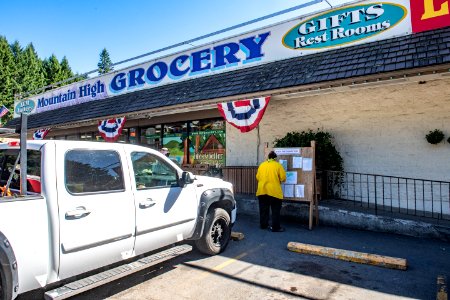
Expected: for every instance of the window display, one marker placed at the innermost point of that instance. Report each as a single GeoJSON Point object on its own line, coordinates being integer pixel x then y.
{"type": "Point", "coordinates": [208, 144]}
{"type": "Point", "coordinates": [175, 139]}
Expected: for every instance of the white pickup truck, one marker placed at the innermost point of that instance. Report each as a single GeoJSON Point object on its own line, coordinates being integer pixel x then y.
{"type": "Point", "coordinates": [90, 205]}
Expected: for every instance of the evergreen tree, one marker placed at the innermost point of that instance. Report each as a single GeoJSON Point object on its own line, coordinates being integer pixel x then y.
{"type": "Point", "coordinates": [65, 68]}
{"type": "Point", "coordinates": [7, 73]}
{"type": "Point", "coordinates": [16, 50]}
{"type": "Point", "coordinates": [105, 63]}
{"type": "Point", "coordinates": [53, 71]}
{"type": "Point", "coordinates": [22, 71]}
{"type": "Point", "coordinates": [30, 70]}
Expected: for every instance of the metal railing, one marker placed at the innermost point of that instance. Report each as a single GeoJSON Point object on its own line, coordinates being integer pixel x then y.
{"type": "Point", "coordinates": [380, 193]}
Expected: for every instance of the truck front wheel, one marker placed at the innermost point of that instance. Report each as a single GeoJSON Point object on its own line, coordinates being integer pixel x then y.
{"type": "Point", "coordinates": [216, 234]}
{"type": "Point", "coordinates": [3, 295]}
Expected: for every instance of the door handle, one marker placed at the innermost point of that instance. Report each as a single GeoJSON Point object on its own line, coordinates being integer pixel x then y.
{"type": "Point", "coordinates": [78, 213]}
{"type": "Point", "coordinates": [147, 203]}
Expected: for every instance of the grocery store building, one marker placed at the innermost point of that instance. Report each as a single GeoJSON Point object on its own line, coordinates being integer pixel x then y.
{"type": "Point", "coordinates": [376, 75]}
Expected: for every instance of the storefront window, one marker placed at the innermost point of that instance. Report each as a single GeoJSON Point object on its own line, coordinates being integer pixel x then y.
{"type": "Point", "coordinates": [133, 136]}
{"type": "Point", "coordinates": [123, 137]}
{"type": "Point", "coordinates": [74, 137]}
{"type": "Point", "coordinates": [151, 137]}
{"type": "Point", "coordinates": [87, 136]}
{"type": "Point", "coordinates": [208, 144]}
{"type": "Point", "coordinates": [98, 137]}
{"type": "Point", "coordinates": [175, 139]}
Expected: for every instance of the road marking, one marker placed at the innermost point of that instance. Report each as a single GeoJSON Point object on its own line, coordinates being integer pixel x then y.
{"type": "Point", "coordinates": [347, 255]}
{"type": "Point", "coordinates": [227, 262]}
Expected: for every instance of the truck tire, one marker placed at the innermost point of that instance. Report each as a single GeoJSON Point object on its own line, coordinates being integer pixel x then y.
{"type": "Point", "coordinates": [3, 287]}
{"type": "Point", "coordinates": [216, 234]}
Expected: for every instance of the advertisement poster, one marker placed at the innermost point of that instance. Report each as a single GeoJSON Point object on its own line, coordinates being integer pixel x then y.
{"type": "Point", "coordinates": [208, 143]}
{"type": "Point", "coordinates": [175, 139]}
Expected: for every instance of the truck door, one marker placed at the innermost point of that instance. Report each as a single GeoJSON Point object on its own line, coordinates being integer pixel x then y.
{"type": "Point", "coordinates": [165, 211]}
{"type": "Point", "coordinates": [96, 208]}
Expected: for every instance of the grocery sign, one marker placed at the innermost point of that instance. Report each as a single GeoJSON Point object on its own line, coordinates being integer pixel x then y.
{"type": "Point", "coordinates": [348, 25]}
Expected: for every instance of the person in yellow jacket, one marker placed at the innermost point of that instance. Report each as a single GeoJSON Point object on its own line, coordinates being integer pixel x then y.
{"type": "Point", "coordinates": [270, 175]}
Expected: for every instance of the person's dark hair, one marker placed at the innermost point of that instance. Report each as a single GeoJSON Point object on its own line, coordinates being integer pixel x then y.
{"type": "Point", "coordinates": [272, 155]}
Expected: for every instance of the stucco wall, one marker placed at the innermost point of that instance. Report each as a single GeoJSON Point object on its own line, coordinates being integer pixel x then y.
{"type": "Point", "coordinates": [379, 130]}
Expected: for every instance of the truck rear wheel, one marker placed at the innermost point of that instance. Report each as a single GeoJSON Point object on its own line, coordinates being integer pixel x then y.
{"type": "Point", "coordinates": [216, 234]}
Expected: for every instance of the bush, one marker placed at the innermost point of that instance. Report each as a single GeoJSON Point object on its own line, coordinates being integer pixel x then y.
{"type": "Point", "coordinates": [435, 137]}
{"type": "Point", "coordinates": [327, 157]}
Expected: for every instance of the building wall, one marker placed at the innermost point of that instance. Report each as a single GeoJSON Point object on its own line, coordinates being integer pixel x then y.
{"type": "Point", "coordinates": [379, 130]}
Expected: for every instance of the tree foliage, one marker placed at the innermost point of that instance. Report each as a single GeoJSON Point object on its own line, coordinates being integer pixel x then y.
{"type": "Point", "coordinates": [30, 72]}
{"type": "Point", "coordinates": [23, 72]}
{"type": "Point", "coordinates": [327, 156]}
{"type": "Point", "coordinates": [8, 72]}
{"type": "Point", "coordinates": [105, 63]}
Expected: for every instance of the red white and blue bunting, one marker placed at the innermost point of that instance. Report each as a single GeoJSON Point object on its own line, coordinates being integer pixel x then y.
{"type": "Point", "coordinates": [111, 129]}
{"type": "Point", "coordinates": [40, 133]}
{"type": "Point", "coordinates": [246, 114]}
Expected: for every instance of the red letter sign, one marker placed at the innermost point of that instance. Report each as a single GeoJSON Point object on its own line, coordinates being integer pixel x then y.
{"type": "Point", "coordinates": [429, 14]}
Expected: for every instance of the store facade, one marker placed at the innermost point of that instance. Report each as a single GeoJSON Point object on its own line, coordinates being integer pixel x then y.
{"type": "Point", "coordinates": [366, 72]}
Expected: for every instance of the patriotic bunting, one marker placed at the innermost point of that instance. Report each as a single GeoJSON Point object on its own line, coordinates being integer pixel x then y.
{"type": "Point", "coordinates": [111, 129]}
{"type": "Point", "coordinates": [244, 114]}
{"type": "Point", "coordinates": [40, 133]}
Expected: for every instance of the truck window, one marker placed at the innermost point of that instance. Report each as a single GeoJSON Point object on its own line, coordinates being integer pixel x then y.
{"type": "Point", "coordinates": [151, 171]}
{"type": "Point", "coordinates": [90, 171]}
{"type": "Point", "coordinates": [7, 160]}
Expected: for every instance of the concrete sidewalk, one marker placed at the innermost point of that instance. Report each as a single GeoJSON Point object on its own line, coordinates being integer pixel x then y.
{"type": "Point", "coordinates": [331, 215]}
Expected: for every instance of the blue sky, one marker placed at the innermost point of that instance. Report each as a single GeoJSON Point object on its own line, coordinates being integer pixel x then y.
{"type": "Point", "coordinates": [80, 29]}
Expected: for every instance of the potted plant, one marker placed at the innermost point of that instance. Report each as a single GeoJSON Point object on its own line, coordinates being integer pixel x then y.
{"type": "Point", "coordinates": [435, 136]}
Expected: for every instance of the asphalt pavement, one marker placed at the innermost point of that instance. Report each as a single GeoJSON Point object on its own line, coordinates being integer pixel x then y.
{"type": "Point", "coordinates": [261, 267]}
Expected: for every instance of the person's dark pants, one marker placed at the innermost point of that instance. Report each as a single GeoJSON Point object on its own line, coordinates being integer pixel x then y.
{"type": "Point", "coordinates": [267, 203]}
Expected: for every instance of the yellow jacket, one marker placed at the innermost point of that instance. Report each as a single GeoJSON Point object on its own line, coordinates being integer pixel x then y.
{"type": "Point", "coordinates": [270, 175]}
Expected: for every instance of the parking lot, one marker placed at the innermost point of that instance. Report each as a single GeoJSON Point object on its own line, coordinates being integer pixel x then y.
{"type": "Point", "coordinates": [261, 267]}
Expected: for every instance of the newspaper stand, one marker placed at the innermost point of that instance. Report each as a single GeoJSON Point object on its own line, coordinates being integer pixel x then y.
{"type": "Point", "coordinates": [300, 186]}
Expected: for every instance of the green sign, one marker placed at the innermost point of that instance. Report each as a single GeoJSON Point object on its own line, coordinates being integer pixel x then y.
{"type": "Point", "coordinates": [25, 106]}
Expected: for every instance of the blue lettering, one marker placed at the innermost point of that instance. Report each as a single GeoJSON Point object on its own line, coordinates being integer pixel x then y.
{"type": "Point", "coordinates": [41, 102]}
{"type": "Point", "coordinates": [198, 58]}
{"type": "Point", "coordinates": [226, 54]}
{"type": "Point", "coordinates": [135, 77]}
{"type": "Point", "coordinates": [254, 46]}
{"type": "Point", "coordinates": [118, 82]}
{"type": "Point", "coordinates": [100, 87]}
{"type": "Point", "coordinates": [161, 71]}
{"type": "Point", "coordinates": [176, 64]}
{"type": "Point", "coordinates": [84, 90]}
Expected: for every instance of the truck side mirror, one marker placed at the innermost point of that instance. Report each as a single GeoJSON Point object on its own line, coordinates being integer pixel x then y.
{"type": "Point", "coordinates": [187, 177]}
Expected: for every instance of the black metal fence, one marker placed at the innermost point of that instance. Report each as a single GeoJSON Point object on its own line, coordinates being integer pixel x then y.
{"type": "Point", "coordinates": [410, 196]}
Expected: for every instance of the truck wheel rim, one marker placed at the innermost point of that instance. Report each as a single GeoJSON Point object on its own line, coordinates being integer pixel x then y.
{"type": "Point", "coordinates": [217, 231]}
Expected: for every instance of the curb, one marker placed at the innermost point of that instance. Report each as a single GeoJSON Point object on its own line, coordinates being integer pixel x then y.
{"type": "Point", "coordinates": [441, 288]}
{"type": "Point", "coordinates": [330, 216]}
{"type": "Point", "coordinates": [237, 236]}
{"type": "Point", "coordinates": [352, 256]}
